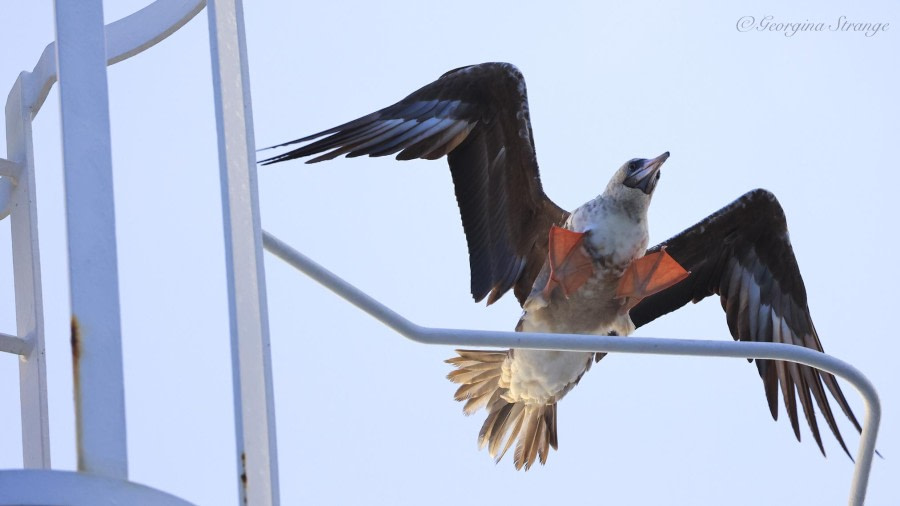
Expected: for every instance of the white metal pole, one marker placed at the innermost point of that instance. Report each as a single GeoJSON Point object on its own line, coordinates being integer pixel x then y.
{"type": "Point", "coordinates": [27, 279]}
{"type": "Point", "coordinates": [90, 219]}
{"type": "Point", "coordinates": [250, 349]}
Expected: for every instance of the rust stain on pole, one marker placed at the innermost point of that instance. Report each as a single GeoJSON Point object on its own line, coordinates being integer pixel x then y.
{"type": "Point", "coordinates": [75, 340]}
{"type": "Point", "coordinates": [244, 475]}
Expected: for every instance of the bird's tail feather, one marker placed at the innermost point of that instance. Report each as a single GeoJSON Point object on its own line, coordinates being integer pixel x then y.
{"type": "Point", "coordinates": [533, 425]}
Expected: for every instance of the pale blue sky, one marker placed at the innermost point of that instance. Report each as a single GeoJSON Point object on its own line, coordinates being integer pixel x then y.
{"type": "Point", "coordinates": [367, 417]}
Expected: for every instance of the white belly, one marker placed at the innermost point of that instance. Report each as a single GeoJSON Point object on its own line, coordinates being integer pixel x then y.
{"type": "Point", "coordinates": [540, 376]}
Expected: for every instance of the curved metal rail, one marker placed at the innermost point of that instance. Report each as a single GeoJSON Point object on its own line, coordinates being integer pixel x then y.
{"type": "Point", "coordinates": [125, 38]}
{"type": "Point", "coordinates": [577, 342]}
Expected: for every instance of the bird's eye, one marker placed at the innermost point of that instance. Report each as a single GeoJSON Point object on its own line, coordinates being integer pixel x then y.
{"type": "Point", "coordinates": [634, 165]}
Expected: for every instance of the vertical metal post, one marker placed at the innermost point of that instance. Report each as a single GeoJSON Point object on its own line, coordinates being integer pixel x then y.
{"type": "Point", "coordinates": [90, 220]}
{"type": "Point", "coordinates": [250, 351]}
{"type": "Point", "coordinates": [27, 278]}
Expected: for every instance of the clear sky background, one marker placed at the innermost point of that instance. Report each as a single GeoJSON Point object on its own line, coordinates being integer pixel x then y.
{"type": "Point", "coordinates": [365, 416]}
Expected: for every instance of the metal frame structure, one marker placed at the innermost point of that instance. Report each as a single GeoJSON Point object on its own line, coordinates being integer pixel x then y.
{"type": "Point", "coordinates": [78, 59]}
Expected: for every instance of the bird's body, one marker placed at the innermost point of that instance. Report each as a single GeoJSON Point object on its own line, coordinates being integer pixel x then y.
{"type": "Point", "coordinates": [521, 391]}
{"type": "Point", "coordinates": [584, 272]}
{"type": "Point", "coordinates": [615, 235]}
{"type": "Point", "coordinates": [615, 238]}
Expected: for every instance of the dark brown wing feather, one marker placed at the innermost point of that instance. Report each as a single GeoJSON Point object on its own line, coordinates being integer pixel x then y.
{"type": "Point", "coordinates": [478, 117]}
{"type": "Point", "coordinates": [743, 254]}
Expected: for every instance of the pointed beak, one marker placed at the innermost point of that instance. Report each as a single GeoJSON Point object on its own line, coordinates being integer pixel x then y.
{"type": "Point", "coordinates": [644, 178]}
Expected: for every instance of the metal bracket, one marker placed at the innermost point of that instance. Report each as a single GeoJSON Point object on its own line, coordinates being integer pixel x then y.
{"type": "Point", "coordinates": [15, 345]}
{"type": "Point", "coordinates": [10, 169]}
{"type": "Point", "coordinates": [9, 179]}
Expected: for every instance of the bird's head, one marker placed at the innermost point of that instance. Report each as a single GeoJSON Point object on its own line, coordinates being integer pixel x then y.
{"type": "Point", "coordinates": [636, 179]}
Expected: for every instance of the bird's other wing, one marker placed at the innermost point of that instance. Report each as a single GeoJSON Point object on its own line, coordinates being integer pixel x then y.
{"type": "Point", "coordinates": [743, 254]}
{"type": "Point", "coordinates": [478, 117]}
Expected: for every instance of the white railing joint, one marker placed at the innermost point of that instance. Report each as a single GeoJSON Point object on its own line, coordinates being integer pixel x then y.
{"type": "Point", "coordinates": [15, 345]}
{"type": "Point", "coordinates": [10, 169]}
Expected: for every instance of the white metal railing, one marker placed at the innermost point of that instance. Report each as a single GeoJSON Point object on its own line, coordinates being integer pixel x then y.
{"type": "Point", "coordinates": [78, 59]}
{"type": "Point", "coordinates": [579, 342]}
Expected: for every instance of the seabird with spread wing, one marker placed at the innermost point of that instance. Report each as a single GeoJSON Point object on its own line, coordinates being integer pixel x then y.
{"type": "Point", "coordinates": [588, 271]}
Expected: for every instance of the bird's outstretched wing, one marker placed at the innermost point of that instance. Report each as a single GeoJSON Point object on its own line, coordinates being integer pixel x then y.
{"type": "Point", "coordinates": [478, 117]}
{"type": "Point", "coordinates": [743, 254]}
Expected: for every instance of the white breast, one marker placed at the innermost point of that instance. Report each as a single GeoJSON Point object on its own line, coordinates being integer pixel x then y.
{"type": "Point", "coordinates": [613, 233]}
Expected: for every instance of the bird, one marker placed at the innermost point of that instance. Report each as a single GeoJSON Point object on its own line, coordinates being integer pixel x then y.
{"type": "Point", "coordinates": [588, 271]}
